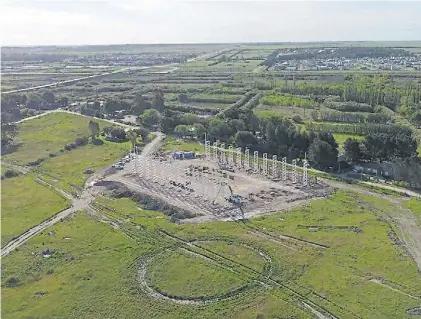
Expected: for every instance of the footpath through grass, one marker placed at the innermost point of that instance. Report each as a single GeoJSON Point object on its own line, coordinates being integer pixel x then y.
{"type": "Point", "coordinates": [25, 204]}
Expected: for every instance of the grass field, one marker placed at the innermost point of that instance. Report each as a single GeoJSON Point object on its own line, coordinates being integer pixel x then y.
{"type": "Point", "coordinates": [92, 271]}
{"type": "Point", "coordinates": [170, 273]}
{"type": "Point", "coordinates": [341, 138]}
{"type": "Point", "coordinates": [175, 144]}
{"type": "Point", "coordinates": [415, 206]}
{"type": "Point", "coordinates": [68, 168]}
{"type": "Point", "coordinates": [47, 134]}
{"type": "Point", "coordinates": [25, 204]}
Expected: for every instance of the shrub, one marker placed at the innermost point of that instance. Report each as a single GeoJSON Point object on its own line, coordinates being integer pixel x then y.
{"type": "Point", "coordinates": [12, 282]}
{"type": "Point", "coordinates": [297, 119]}
{"type": "Point", "coordinates": [36, 162]}
{"type": "Point", "coordinates": [52, 155]}
{"type": "Point", "coordinates": [11, 173]}
{"type": "Point", "coordinates": [97, 141]}
{"type": "Point", "coordinates": [80, 141]}
{"type": "Point", "coordinates": [67, 147]}
{"type": "Point", "coordinates": [73, 145]}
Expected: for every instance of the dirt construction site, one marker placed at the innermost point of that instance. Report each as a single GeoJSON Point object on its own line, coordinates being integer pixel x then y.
{"type": "Point", "coordinates": [216, 188]}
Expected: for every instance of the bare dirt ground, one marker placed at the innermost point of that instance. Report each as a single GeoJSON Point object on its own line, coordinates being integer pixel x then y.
{"type": "Point", "coordinates": [203, 188]}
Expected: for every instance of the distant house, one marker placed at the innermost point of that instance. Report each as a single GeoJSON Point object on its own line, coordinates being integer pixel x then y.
{"type": "Point", "coordinates": [184, 155]}
{"type": "Point", "coordinates": [378, 169]}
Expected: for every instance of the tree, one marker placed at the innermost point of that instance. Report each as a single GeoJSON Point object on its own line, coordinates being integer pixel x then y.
{"type": "Point", "coordinates": [132, 136]}
{"type": "Point", "coordinates": [140, 104]}
{"type": "Point", "coordinates": [142, 132]}
{"type": "Point", "coordinates": [219, 130]}
{"type": "Point", "coordinates": [48, 97]}
{"type": "Point", "coordinates": [199, 130]}
{"type": "Point", "coordinates": [181, 130]}
{"type": "Point", "coordinates": [115, 132]}
{"type": "Point", "coordinates": [321, 154]}
{"type": "Point", "coordinates": [238, 125]}
{"type": "Point", "coordinates": [33, 101]}
{"type": "Point", "coordinates": [150, 118]}
{"type": "Point", "coordinates": [408, 170]}
{"type": "Point", "coordinates": [245, 139]}
{"type": "Point", "coordinates": [64, 101]}
{"type": "Point", "coordinates": [416, 118]}
{"type": "Point", "coordinates": [190, 119]}
{"type": "Point", "coordinates": [352, 150]}
{"type": "Point", "coordinates": [111, 106]}
{"type": "Point", "coordinates": [158, 100]}
{"type": "Point", "coordinates": [93, 128]}
{"type": "Point", "coordinates": [183, 98]}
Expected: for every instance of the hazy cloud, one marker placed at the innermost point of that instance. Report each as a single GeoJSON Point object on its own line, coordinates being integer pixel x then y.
{"type": "Point", "coordinates": [31, 22]}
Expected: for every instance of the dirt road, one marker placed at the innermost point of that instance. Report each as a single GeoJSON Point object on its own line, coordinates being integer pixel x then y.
{"type": "Point", "coordinates": [78, 204]}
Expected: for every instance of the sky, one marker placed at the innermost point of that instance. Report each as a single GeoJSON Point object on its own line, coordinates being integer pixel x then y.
{"type": "Point", "coordinates": [78, 22]}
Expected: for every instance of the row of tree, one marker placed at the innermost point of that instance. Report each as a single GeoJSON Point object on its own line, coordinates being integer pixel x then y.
{"type": "Point", "coordinates": [380, 148]}
{"type": "Point", "coordinates": [350, 117]}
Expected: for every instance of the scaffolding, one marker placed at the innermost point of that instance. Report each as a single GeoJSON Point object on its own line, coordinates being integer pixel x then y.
{"type": "Point", "coordinates": [256, 161]}
{"type": "Point", "coordinates": [247, 158]}
{"type": "Point", "coordinates": [238, 158]}
{"type": "Point", "coordinates": [294, 171]}
{"type": "Point", "coordinates": [207, 150]}
{"type": "Point", "coordinates": [230, 155]}
{"type": "Point", "coordinates": [284, 169]}
{"type": "Point", "coordinates": [215, 152]}
{"type": "Point", "coordinates": [274, 166]}
{"type": "Point", "coordinates": [223, 155]}
{"type": "Point", "coordinates": [265, 163]}
{"type": "Point", "coordinates": [305, 173]}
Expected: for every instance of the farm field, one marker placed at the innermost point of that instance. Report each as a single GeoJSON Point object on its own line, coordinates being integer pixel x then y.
{"type": "Point", "coordinates": [86, 254]}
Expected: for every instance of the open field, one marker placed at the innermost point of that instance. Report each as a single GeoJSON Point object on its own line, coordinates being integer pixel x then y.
{"type": "Point", "coordinates": [358, 273]}
{"type": "Point", "coordinates": [46, 135]}
{"type": "Point", "coordinates": [25, 203]}
{"type": "Point", "coordinates": [173, 144]}
{"type": "Point", "coordinates": [341, 138]}
{"type": "Point", "coordinates": [92, 157]}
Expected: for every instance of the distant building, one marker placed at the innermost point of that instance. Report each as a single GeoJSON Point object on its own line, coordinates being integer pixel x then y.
{"type": "Point", "coordinates": [184, 155]}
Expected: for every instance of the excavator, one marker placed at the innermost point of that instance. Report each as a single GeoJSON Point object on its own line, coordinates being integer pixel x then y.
{"type": "Point", "coordinates": [235, 199]}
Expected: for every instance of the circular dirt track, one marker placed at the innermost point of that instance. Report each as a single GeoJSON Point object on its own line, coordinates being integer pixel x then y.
{"type": "Point", "coordinates": [203, 271]}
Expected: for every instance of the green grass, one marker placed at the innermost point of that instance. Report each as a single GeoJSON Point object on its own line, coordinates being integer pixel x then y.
{"type": "Point", "coordinates": [25, 204]}
{"type": "Point", "coordinates": [67, 169]}
{"type": "Point", "coordinates": [47, 134]}
{"type": "Point", "coordinates": [288, 100]}
{"type": "Point", "coordinates": [341, 138]}
{"type": "Point", "coordinates": [174, 144]}
{"type": "Point", "coordinates": [237, 252]}
{"type": "Point", "coordinates": [415, 206]}
{"type": "Point", "coordinates": [179, 274]}
{"type": "Point", "coordinates": [94, 272]}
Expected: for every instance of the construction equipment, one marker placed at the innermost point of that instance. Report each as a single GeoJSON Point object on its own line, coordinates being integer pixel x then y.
{"type": "Point", "coordinates": [220, 188]}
